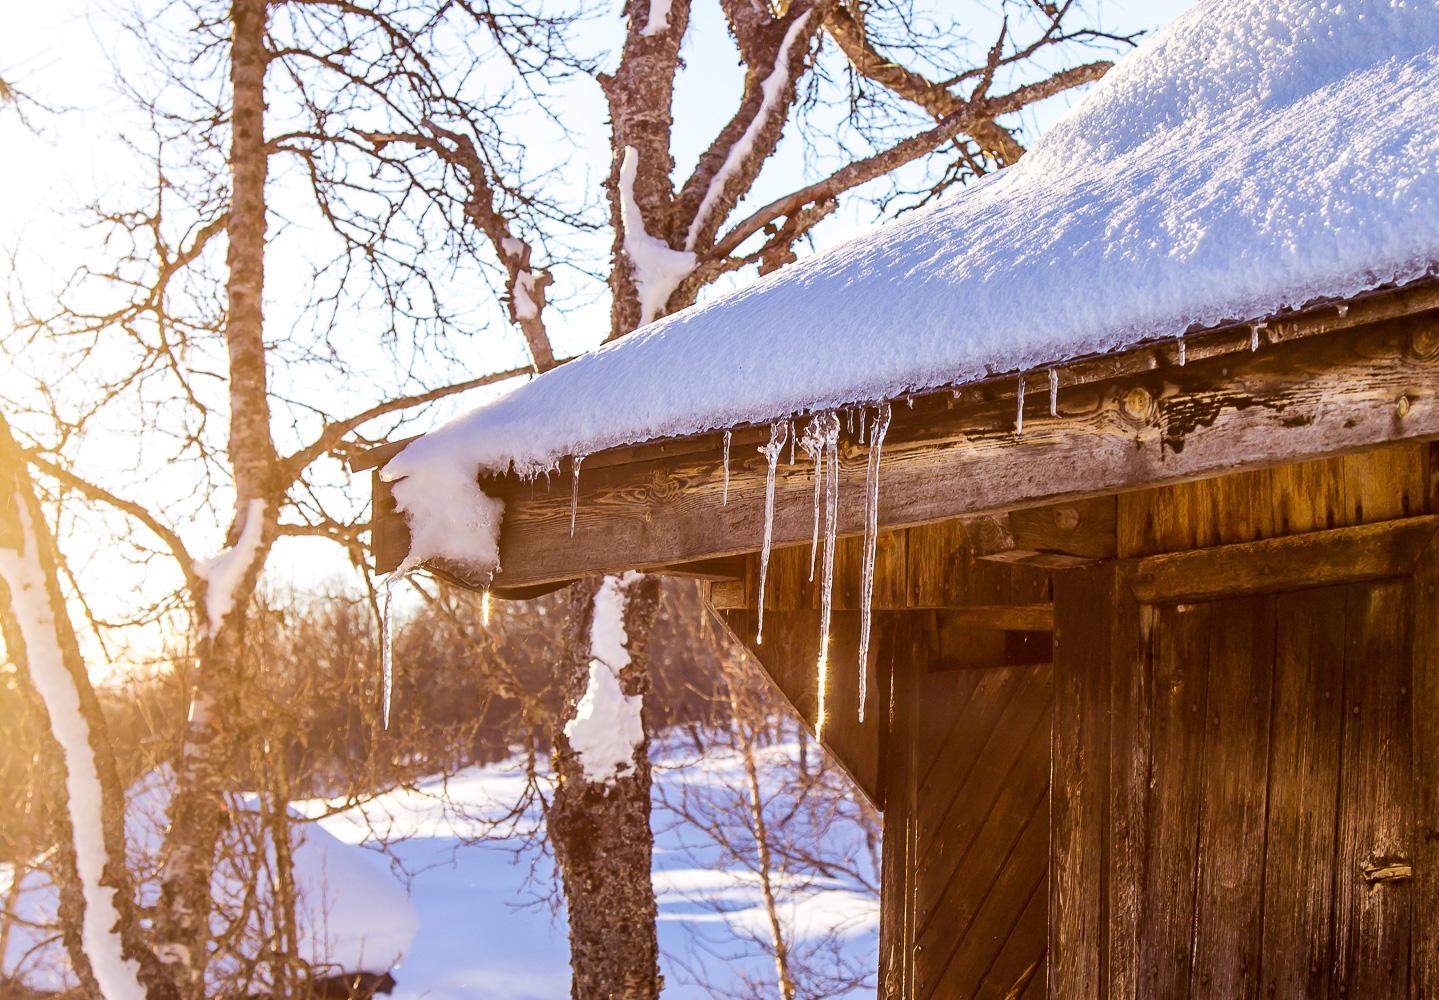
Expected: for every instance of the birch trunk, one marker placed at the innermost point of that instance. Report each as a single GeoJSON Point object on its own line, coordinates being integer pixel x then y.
{"type": "Point", "coordinates": [601, 830]}
{"type": "Point", "coordinates": [107, 948]}
{"type": "Point", "coordinates": [217, 703]}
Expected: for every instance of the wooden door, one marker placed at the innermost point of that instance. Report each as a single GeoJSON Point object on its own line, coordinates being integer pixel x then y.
{"type": "Point", "coordinates": [1244, 749]}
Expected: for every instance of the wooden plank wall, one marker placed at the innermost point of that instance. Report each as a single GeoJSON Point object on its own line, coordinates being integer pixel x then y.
{"type": "Point", "coordinates": [1278, 745]}
{"type": "Point", "coordinates": [1367, 487]}
{"type": "Point", "coordinates": [966, 831]}
{"type": "Point", "coordinates": [931, 566]}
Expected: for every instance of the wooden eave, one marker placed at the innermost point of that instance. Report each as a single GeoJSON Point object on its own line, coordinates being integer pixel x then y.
{"type": "Point", "coordinates": [1329, 379]}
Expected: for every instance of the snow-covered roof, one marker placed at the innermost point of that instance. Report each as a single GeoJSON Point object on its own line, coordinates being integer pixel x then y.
{"type": "Point", "coordinates": [1251, 156]}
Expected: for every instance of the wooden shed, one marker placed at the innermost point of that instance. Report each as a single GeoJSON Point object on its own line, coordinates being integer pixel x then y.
{"type": "Point", "coordinates": [1153, 695]}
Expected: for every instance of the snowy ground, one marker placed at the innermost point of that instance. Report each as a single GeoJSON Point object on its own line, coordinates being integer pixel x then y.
{"type": "Point", "coordinates": [485, 931]}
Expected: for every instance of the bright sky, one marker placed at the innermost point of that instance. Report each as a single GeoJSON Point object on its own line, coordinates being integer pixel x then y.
{"type": "Point", "coordinates": [68, 53]}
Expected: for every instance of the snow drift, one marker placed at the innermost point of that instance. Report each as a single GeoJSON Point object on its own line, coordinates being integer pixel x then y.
{"type": "Point", "coordinates": [354, 916]}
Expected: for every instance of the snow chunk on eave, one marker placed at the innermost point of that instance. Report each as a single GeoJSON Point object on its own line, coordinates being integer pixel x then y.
{"type": "Point", "coordinates": [449, 516]}
{"type": "Point", "coordinates": [1249, 157]}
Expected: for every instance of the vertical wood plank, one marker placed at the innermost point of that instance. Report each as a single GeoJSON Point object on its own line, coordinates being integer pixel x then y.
{"type": "Point", "coordinates": [1372, 922]}
{"type": "Point", "coordinates": [1129, 771]}
{"type": "Point", "coordinates": [1384, 483]}
{"type": "Point", "coordinates": [1079, 794]}
{"type": "Point", "coordinates": [903, 662]}
{"type": "Point", "coordinates": [1228, 909]}
{"type": "Point", "coordinates": [1424, 948]}
{"type": "Point", "coordinates": [1179, 661]}
{"type": "Point", "coordinates": [1303, 793]}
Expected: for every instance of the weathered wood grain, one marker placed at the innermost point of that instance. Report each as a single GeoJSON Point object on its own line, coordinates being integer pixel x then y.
{"type": "Point", "coordinates": [1373, 924]}
{"type": "Point", "coordinates": [902, 651]}
{"type": "Point", "coordinates": [1079, 790]}
{"type": "Point", "coordinates": [1229, 902]}
{"type": "Point", "coordinates": [1375, 485]}
{"type": "Point", "coordinates": [790, 655]}
{"type": "Point", "coordinates": [1178, 655]}
{"type": "Point", "coordinates": [1303, 398]}
{"type": "Point", "coordinates": [1424, 949]}
{"type": "Point", "coordinates": [1367, 552]}
{"type": "Point", "coordinates": [1303, 791]}
{"type": "Point", "coordinates": [1056, 537]}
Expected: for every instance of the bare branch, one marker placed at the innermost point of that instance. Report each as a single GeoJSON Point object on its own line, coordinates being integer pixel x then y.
{"type": "Point", "coordinates": [526, 285]}
{"type": "Point", "coordinates": [884, 162]}
{"type": "Point", "coordinates": [99, 494]}
{"type": "Point", "coordinates": [335, 432]}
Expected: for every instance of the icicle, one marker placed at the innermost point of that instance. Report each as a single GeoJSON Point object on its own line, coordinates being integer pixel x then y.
{"type": "Point", "coordinates": [777, 433]}
{"type": "Point", "coordinates": [871, 538]}
{"type": "Point", "coordinates": [789, 429]}
{"type": "Point", "coordinates": [387, 651]}
{"type": "Point", "coordinates": [1054, 392]}
{"type": "Point", "coordinates": [863, 413]}
{"type": "Point", "coordinates": [849, 419]}
{"type": "Point", "coordinates": [1019, 408]}
{"type": "Point", "coordinates": [485, 608]}
{"type": "Point", "coordinates": [724, 494]}
{"type": "Point", "coordinates": [575, 492]}
{"type": "Point", "coordinates": [1254, 329]}
{"type": "Point", "coordinates": [831, 512]}
{"type": "Point", "coordinates": [813, 445]}
{"type": "Point", "coordinates": [1181, 350]}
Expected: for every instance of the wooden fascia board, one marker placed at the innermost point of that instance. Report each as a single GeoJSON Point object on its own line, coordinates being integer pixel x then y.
{"type": "Point", "coordinates": [1326, 381]}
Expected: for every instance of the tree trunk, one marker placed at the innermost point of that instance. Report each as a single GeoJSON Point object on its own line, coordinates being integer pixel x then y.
{"type": "Point", "coordinates": [197, 813]}
{"type": "Point", "coordinates": [601, 829]}
{"type": "Point", "coordinates": [98, 916]}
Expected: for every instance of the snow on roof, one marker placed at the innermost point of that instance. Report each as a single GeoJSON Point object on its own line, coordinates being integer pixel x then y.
{"type": "Point", "coordinates": [1251, 156]}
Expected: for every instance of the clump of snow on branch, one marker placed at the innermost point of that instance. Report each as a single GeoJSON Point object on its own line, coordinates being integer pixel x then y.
{"type": "Point", "coordinates": [223, 571]}
{"type": "Point", "coordinates": [1246, 158]}
{"type": "Point", "coordinates": [525, 307]}
{"type": "Point", "coordinates": [771, 90]}
{"type": "Point", "coordinates": [117, 976]}
{"type": "Point", "coordinates": [607, 725]}
{"type": "Point", "coordinates": [658, 267]}
{"type": "Point", "coordinates": [658, 21]}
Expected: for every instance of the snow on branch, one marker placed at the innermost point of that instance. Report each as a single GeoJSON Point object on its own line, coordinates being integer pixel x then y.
{"type": "Point", "coordinates": [607, 726]}
{"type": "Point", "coordinates": [658, 267]}
{"type": "Point", "coordinates": [658, 20]}
{"type": "Point", "coordinates": [24, 576]}
{"type": "Point", "coordinates": [224, 571]}
{"type": "Point", "coordinates": [772, 89]}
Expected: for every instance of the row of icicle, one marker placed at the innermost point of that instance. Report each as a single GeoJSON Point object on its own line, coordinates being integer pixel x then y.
{"type": "Point", "coordinates": [820, 443]}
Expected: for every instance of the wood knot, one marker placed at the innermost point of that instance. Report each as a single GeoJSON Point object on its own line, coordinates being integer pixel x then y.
{"type": "Point", "coordinates": [1424, 342]}
{"type": "Point", "coordinates": [1066, 518]}
{"type": "Point", "coordinates": [1385, 868]}
{"type": "Point", "coordinates": [1137, 404]}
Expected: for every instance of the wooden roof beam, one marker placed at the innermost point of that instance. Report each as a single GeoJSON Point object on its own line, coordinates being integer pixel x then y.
{"type": "Point", "coordinates": [1325, 382]}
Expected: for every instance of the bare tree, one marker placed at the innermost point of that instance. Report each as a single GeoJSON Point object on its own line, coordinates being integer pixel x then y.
{"type": "Point", "coordinates": [97, 899]}
{"type": "Point", "coordinates": [172, 298]}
